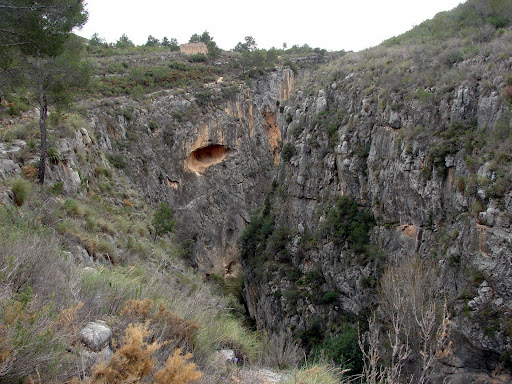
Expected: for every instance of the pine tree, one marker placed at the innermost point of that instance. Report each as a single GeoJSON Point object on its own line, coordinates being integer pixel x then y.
{"type": "Point", "coordinates": [40, 52]}
{"type": "Point", "coordinates": [163, 221]}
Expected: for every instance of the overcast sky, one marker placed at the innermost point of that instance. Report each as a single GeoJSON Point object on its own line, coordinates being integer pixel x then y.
{"type": "Point", "coordinates": [333, 25]}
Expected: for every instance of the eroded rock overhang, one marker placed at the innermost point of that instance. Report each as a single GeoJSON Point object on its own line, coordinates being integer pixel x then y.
{"type": "Point", "coordinates": [200, 159]}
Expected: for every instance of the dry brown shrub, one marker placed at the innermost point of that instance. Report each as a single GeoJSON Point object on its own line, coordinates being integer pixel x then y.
{"type": "Point", "coordinates": [507, 93]}
{"type": "Point", "coordinates": [30, 172]}
{"type": "Point", "coordinates": [134, 363]}
{"type": "Point", "coordinates": [180, 329]}
{"type": "Point", "coordinates": [416, 331]}
{"type": "Point", "coordinates": [138, 308]}
{"type": "Point", "coordinates": [131, 362]}
{"type": "Point", "coordinates": [282, 351]}
{"type": "Point", "coordinates": [32, 353]}
{"type": "Point", "coordinates": [165, 325]}
{"type": "Point", "coordinates": [177, 370]}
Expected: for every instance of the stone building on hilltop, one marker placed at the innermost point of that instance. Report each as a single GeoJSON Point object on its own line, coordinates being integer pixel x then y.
{"type": "Point", "coordinates": [194, 48]}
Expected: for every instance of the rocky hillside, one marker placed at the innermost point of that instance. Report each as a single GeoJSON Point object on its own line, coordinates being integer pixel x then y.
{"type": "Point", "coordinates": [374, 186]}
{"type": "Point", "coordinates": [416, 133]}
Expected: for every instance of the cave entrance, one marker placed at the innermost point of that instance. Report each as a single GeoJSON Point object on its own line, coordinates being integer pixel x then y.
{"type": "Point", "coordinates": [202, 158]}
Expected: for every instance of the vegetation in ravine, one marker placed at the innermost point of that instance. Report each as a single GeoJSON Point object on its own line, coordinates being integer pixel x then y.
{"type": "Point", "coordinates": [347, 223]}
{"type": "Point", "coordinates": [267, 260]}
{"type": "Point", "coordinates": [172, 326]}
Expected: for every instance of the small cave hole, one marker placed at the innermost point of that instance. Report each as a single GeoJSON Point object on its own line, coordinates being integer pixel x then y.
{"type": "Point", "coordinates": [202, 158]}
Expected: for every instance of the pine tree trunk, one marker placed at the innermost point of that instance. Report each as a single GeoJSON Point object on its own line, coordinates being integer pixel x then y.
{"type": "Point", "coordinates": [43, 113]}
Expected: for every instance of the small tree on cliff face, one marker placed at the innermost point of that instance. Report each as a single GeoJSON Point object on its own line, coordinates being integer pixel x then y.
{"type": "Point", "coordinates": [43, 53]}
{"type": "Point", "coordinates": [162, 220]}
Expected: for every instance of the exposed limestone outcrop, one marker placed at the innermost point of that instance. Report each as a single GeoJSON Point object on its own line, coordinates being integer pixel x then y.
{"type": "Point", "coordinates": [215, 159]}
{"type": "Point", "coordinates": [383, 154]}
{"type": "Point", "coordinates": [211, 160]}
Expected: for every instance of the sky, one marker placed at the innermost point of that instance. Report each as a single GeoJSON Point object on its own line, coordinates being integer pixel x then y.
{"type": "Point", "coordinates": [350, 25]}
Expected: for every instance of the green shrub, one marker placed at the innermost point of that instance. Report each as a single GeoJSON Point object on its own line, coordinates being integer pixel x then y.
{"type": "Point", "coordinates": [460, 183]}
{"type": "Point", "coordinates": [203, 98]}
{"type": "Point", "coordinates": [362, 151]}
{"type": "Point", "coordinates": [346, 222]}
{"type": "Point", "coordinates": [22, 190]}
{"type": "Point", "coordinates": [54, 155]}
{"type": "Point", "coordinates": [162, 220]}
{"type": "Point", "coordinates": [451, 57]}
{"type": "Point", "coordinates": [57, 188]}
{"type": "Point", "coordinates": [477, 207]}
{"type": "Point", "coordinates": [330, 297]}
{"type": "Point", "coordinates": [312, 336]}
{"type": "Point", "coordinates": [74, 208]}
{"type": "Point", "coordinates": [138, 92]}
{"type": "Point", "coordinates": [455, 260]}
{"type": "Point", "coordinates": [255, 235]}
{"type": "Point", "coordinates": [314, 279]}
{"type": "Point", "coordinates": [277, 242]}
{"type": "Point", "coordinates": [315, 374]}
{"type": "Point", "coordinates": [343, 350]}
{"type": "Point", "coordinates": [229, 92]}
{"type": "Point", "coordinates": [228, 332]}
{"type": "Point", "coordinates": [477, 278]}
{"type": "Point", "coordinates": [91, 222]}
{"type": "Point", "coordinates": [169, 136]}
{"type": "Point", "coordinates": [291, 295]}
{"type": "Point", "coordinates": [127, 114]}
{"type": "Point", "coordinates": [437, 155]}
{"type": "Point", "coordinates": [332, 132]}
{"type": "Point", "coordinates": [137, 74]}
{"type": "Point", "coordinates": [117, 160]}
{"type": "Point", "coordinates": [153, 126]}
{"type": "Point", "coordinates": [198, 58]}
{"type": "Point", "coordinates": [292, 66]}
{"type": "Point", "coordinates": [288, 151]}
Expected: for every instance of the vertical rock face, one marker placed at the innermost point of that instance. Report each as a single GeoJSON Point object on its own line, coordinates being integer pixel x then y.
{"type": "Point", "coordinates": [431, 164]}
{"type": "Point", "coordinates": [427, 180]}
{"type": "Point", "coordinates": [211, 158]}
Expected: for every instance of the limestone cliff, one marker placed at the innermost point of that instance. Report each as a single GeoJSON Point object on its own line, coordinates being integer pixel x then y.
{"type": "Point", "coordinates": [416, 134]}
{"type": "Point", "coordinates": [426, 150]}
{"type": "Point", "coordinates": [209, 155]}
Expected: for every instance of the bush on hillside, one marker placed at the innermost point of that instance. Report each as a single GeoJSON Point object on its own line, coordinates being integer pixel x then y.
{"type": "Point", "coordinates": [163, 221]}
{"type": "Point", "coordinates": [22, 190]}
{"type": "Point", "coordinates": [288, 151]}
{"type": "Point", "coordinates": [133, 362]}
{"type": "Point", "coordinates": [347, 223]}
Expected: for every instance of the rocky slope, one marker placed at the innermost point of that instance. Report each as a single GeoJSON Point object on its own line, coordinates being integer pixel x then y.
{"type": "Point", "coordinates": [416, 133]}
{"type": "Point", "coordinates": [423, 143]}
{"type": "Point", "coordinates": [209, 156]}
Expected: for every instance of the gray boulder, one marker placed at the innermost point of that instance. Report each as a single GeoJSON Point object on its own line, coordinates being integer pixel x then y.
{"type": "Point", "coordinates": [96, 335]}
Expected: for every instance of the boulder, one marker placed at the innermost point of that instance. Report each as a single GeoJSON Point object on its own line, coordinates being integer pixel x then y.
{"type": "Point", "coordinates": [96, 335]}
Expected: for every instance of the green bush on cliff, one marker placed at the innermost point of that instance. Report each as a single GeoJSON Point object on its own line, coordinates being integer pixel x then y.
{"type": "Point", "coordinates": [163, 221]}
{"type": "Point", "coordinates": [288, 151]}
{"type": "Point", "coordinates": [342, 349]}
{"type": "Point", "coordinates": [22, 190]}
{"type": "Point", "coordinates": [254, 238]}
{"type": "Point", "coordinates": [347, 223]}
